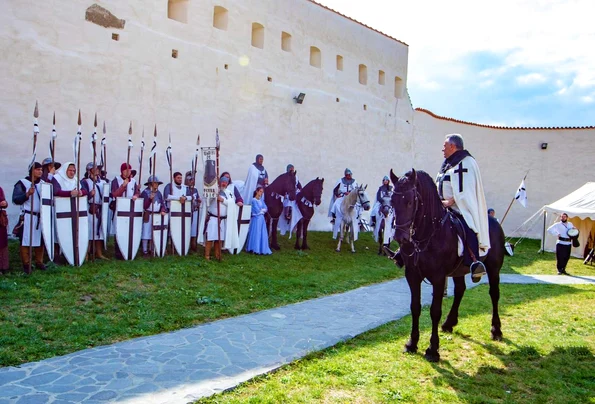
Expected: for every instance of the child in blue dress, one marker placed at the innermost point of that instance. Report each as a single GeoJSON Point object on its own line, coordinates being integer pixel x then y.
{"type": "Point", "coordinates": [258, 238]}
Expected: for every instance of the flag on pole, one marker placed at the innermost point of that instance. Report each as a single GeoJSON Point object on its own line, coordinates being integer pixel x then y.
{"type": "Point", "coordinates": [217, 143]}
{"type": "Point", "coordinates": [76, 145]}
{"type": "Point", "coordinates": [142, 146]}
{"type": "Point", "coordinates": [53, 139]}
{"type": "Point", "coordinates": [103, 146]}
{"type": "Point", "coordinates": [521, 194]}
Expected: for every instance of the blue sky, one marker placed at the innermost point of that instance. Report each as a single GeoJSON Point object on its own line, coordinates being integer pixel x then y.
{"type": "Point", "coordinates": [511, 62]}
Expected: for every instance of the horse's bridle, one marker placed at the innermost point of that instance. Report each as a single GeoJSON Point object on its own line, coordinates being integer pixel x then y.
{"type": "Point", "coordinates": [411, 222]}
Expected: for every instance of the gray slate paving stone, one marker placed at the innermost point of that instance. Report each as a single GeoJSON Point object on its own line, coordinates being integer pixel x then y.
{"type": "Point", "coordinates": [182, 366]}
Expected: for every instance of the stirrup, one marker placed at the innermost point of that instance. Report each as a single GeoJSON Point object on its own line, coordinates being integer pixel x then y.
{"type": "Point", "coordinates": [478, 270]}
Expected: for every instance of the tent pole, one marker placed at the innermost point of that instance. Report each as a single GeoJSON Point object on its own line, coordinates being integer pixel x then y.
{"type": "Point", "coordinates": [543, 234]}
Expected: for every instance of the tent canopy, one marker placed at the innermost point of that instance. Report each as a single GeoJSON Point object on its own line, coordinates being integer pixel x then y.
{"type": "Point", "coordinates": [580, 203]}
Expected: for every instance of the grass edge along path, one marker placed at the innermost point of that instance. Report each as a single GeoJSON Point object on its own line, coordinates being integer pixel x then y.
{"type": "Point", "coordinates": [547, 356]}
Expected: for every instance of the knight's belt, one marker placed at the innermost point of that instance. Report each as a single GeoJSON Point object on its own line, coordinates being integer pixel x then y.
{"type": "Point", "coordinates": [563, 239]}
{"type": "Point", "coordinates": [32, 213]}
{"type": "Point", "coordinates": [212, 215]}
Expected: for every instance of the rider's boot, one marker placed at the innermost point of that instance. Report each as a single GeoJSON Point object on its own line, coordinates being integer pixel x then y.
{"type": "Point", "coordinates": [477, 271]}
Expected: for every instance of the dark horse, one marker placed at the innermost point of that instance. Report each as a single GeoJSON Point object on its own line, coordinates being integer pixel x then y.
{"type": "Point", "coordinates": [306, 199]}
{"type": "Point", "coordinates": [273, 197]}
{"type": "Point", "coordinates": [429, 247]}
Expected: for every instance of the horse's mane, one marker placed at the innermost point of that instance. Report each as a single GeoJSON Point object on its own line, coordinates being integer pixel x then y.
{"type": "Point", "coordinates": [279, 182]}
{"type": "Point", "coordinates": [430, 204]}
{"type": "Point", "coordinates": [309, 187]}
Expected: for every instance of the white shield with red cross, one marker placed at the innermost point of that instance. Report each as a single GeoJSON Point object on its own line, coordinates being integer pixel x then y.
{"type": "Point", "coordinates": [72, 228]}
{"type": "Point", "coordinates": [243, 224]}
{"type": "Point", "coordinates": [129, 225]}
{"type": "Point", "coordinates": [105, 222]}
{"type": "Point", "coordinates": [180, 225]}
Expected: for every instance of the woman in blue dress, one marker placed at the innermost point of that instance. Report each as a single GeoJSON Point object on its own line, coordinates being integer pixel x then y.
{"type": "Point", "coordinates": [258, 237]}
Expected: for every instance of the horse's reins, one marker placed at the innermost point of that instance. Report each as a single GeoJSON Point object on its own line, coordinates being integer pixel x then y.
{"type": "Point", "coordinates": [417, 244]}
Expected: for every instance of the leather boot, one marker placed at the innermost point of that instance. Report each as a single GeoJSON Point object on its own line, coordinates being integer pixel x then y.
{"type": "Point", "coordinates": [25, 259]}
{"type": "Point", "coordinates": [99, 250]}
{"type": "Point", "coordinates": [208, 246]}
{"type": "Point", "coordinates": [38, 253]}
{"type": "Point", "coordinates": [218, 250]}
{"type": "Point", "coordinates": [193, 245]}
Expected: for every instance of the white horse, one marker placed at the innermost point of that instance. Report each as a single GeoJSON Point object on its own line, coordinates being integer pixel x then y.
{"type": "Point", "coordinates": [351, 206]}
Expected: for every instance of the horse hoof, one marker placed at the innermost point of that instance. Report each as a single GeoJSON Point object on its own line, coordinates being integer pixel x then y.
{"type": "Point", "coordinates": [432, 356]}
{"type": "Point", "coordinates": [305, 247]}
{"type": "Point", "coordinates": [337, 250]}
{"type": "Point", "coordinates": [297, 247]}
{"type": "Point", "coordinates": [447, 328]}
{"type": "Point", "coordinates": [496, 335]}
{"type": "Point", "coordinates": [410, 348]}
{"type": "Point", "coordinates": [275, 247]}
{"type": "Point", "coordinates": [352, 251]}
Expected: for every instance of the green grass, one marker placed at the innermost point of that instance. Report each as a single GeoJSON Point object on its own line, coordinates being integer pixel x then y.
{"type": "Point", "coordinates": [547, 356]}
{"type": "Point", "coordinates": [66, 309]}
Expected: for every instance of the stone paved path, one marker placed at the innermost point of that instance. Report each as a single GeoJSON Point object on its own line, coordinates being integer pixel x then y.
{"type": "Point", "coordinates": [181, 366]}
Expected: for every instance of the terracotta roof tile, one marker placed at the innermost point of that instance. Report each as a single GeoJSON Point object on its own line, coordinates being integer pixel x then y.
{"type": "Point", "coordinates": [444, 118]}
{"type": "Point", "coordinates": [356, 21]}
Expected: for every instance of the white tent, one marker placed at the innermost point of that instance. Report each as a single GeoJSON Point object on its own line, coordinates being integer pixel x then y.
{"type": "Point", "coordinates": [580, 208]}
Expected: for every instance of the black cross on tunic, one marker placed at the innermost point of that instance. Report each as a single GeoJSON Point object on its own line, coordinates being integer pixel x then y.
{"type": "Point", "coordinates": [72, 215]}
{"type": "Point", "coordinates": [460, 171]}
{"type": "Point", "coordinates": [131, 215]}
{"type": "Point", "coordinates": [183, 214]}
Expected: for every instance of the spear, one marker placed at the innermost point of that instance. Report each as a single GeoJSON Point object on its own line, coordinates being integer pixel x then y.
{"type": "Point", "coordinates": [140, 159]}
{"type": "Point", "coordinates": [53, 140]}
{"type": "Point", "coordinates": [94, 179]}
{"type": "Point", "coordinates": [152, 164]}
{"type": "Point", "coordinates": [31, 166]}
{"type": "Point", "coordinates": [194, 167]}
{"type": "Point", "coordinates": [171, 177]}
{"type": "Point", "coordinates": [129, 148]}
{"type": "Point", "coordinates": [77, 157]}
{"type": "Point", "coordinates": [104, 150]}
{"type": "Point", "coordinates": [217, 147]}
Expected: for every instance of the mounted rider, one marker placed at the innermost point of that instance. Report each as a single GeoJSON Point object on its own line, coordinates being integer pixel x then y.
{"type": "Point", "coordinates": [461, 190]}
{"type": "Point", "coordinates": [343, 187]}
{"type": "Point", "coordinates": [385, 191]}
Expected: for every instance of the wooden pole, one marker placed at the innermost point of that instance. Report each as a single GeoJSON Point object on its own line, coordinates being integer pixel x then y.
{"type": "Point", "coordinates": [170, 160]}
{"type": "Point", "coordinates": [218, 203]}
{"type": "Point", "coordinates": [129, 147]}
{"type": "Point", "coordinates": [54, 139]}
{"type": "Point", "coordinates": [94, 179]}
{"type": "Point", "coordinates": [142, 150]}
{"type": "Point", "coordinates": [154, 161]}
{"type": "Point", "coordinates": [511, 202]}
{"type": "Point", "coordinates": [195, 197]}
{"type": "Point", "coordinates": [35, 132]}
{"type": "Point", "coordinates": [104, 143]}
{"type": "Point", "coordinates": [78, 171]}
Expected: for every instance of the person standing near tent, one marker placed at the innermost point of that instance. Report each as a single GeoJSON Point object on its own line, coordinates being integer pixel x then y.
{"type": "Point", "coordinates": [560, 229]}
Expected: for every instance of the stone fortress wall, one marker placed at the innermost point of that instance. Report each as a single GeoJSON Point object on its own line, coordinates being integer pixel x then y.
{"type": "Point", "coordinates": [191, 66]}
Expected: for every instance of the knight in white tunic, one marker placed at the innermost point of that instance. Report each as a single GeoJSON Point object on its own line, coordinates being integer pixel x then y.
{"type": "Point", "coordinates": [153, 204]}
{"type": "Point", "coordinates": [27, 194]}
{"type": "Point", "coordinates": [461, 189]}
{"type": "Point", "coordinates": [216, 229]}
{"type": "Point", "coordinates": [257, 175]}
{"type": "Point", "coordinates": [342, 187]}
{"type": "Point", "coordinates": [93, 185]}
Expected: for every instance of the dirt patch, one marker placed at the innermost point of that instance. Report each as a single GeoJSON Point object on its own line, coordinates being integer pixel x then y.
{"type": "Point", "coordinates": [101, 16]}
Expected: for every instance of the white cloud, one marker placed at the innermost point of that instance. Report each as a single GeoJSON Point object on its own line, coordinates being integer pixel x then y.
{"type": "Point", "coordinates": [531, 79]}
{"type": "Point", "coordinates": [548, 40]}
{"type": "Point", "coordinates": [587, 99]}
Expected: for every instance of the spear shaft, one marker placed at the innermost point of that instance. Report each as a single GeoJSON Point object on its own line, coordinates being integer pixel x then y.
{"type": "Point", "coordinates": [154, 161]}
{"type": "Point", "coordinates": [171, 184]}
{"type": "Point", "coordinates": [78, 171]}
{"type": "Point", "coordinates": [94, 179]}
{"type": "Point", "coordinates": [35, 132]}
{"type": "Point", "coordinates": [218, 247]}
